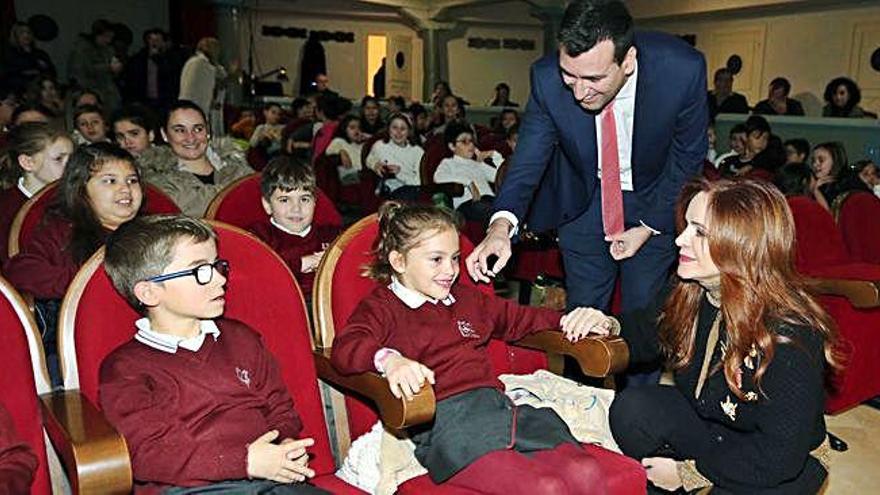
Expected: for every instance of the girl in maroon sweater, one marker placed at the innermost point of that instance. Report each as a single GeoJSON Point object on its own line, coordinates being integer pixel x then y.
{"type": "Point", "coordinates": [422, 326]}
{"type": "Point", "coordinates": [99, 191]}
{"type": "Point", "coordinates": [35, 156]}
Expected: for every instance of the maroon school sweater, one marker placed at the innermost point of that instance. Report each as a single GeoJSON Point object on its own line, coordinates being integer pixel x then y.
{"type": "Point", "coordinates": [17, 462]}
{"type": "Point", "coordinates": [10, 202]}
{"type": "Point", "coordinates": [451, 340]}
{"type": "Point", "coordinates": [44, 267]}
{"type": "Point", "coordinates": [188, 417]}
{"type": "Point", "coordinates": [292, 248]}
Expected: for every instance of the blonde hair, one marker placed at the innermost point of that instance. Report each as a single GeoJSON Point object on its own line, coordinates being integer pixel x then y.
{"type": "Point", "coordinates": [401, 228]}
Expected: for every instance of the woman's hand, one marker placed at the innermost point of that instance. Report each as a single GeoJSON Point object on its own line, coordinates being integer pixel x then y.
{"type": "Point", "coordinates": [405, 376]}
{"type": "Point", "coordinates": [581, 322]}
{"type": "Point", "coordinates": [663, 472]}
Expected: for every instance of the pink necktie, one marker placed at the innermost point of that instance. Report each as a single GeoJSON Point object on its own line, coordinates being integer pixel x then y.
{"type": "Point", "coordinates": [612, 197]}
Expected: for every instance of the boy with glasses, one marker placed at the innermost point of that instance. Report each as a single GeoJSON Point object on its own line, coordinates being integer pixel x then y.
{"type": "Point", "coordinates": [466, 166]}
{"type": "Point", "coordinates": [198, 398]}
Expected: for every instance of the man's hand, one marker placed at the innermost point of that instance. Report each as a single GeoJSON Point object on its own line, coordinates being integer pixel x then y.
{"type": "Point", "coordinates": [405, 376]}
{"type": "Point", "coordinates": [663, 472]}
{"type": "Point", "coordinates": [627, 243]}
{"type": "Point", "coordinates": [280, 463]}
{"type": "Point", "coordinates": [497, 242]}
{"type": "Point", "coordinates": [582, 322]}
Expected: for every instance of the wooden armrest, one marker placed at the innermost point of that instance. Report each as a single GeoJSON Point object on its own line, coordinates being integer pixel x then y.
{"type": "Point", "coordinates": [94, 454]}
{"type": "Point", "coordinates": [395, 413]}
{"type": "Point", "coordinates": [862, 294]}
{"type": "Point", "coordinates": [597, 356]}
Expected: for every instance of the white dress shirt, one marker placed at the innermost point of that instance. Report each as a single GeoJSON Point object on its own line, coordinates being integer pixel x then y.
{"type": "Point", "coordinates": [170, 343]}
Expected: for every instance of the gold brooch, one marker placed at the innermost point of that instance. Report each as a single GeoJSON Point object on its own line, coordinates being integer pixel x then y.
{"type": "Point", "coordinates": [729, 408]}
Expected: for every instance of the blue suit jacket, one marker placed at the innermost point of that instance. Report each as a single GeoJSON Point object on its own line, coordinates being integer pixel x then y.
{"type": "Point", "coordinates": [553, 175]}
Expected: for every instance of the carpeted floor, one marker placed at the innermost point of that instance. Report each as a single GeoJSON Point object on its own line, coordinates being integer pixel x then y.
{"type": "Point", "coordinates": [857, 470]}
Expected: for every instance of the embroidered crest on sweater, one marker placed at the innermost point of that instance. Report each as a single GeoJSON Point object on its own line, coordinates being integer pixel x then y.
{"type": "Point", "coordinates": [466, 330]}
{"type": "Point", "coordinates": [244, 376]}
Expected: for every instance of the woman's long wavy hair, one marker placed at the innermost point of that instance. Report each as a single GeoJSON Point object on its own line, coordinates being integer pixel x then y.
{"type": "Point", "coordinates": [751, 239]}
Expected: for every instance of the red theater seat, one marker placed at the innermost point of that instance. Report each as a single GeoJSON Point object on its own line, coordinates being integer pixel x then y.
{"type": "Point", "coordinates": [339, 287]}
{"type": "Point", "coordinates": [261, 292]}
{"type": "Point", "coordinates": [858, 216]}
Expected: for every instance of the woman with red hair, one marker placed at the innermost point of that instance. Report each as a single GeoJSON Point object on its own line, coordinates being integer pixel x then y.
{"type": "Point", "coordinates": [749, 349]}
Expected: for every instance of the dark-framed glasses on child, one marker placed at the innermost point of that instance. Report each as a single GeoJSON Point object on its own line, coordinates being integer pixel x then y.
{"type": "Point", "coordinates": [203, 273]}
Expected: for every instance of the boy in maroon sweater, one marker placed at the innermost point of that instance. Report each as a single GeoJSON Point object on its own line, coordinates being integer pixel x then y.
{"type": "Point", "coordinates": [289, 195]}
{"type": "Point", "coordinates": [198, 398]}
{"type": "Point", "coordinates": [422, 327]}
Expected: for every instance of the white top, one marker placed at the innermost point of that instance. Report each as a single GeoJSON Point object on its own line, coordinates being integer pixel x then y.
{"type": "Point", "coordinates": [354, 153]}
{"type": "Point", "coordinates": [280, 227]}
{"type": "Point", "coordinates": [460, 170]}
{"type": "Point", "coordinates": [170, 343]}
{"type": "Point", "coordinates": [408, 157]}
{"type": "Point", "coordinates": [23, 189]}
{"type": "Point", "coordinates": [413, 299]}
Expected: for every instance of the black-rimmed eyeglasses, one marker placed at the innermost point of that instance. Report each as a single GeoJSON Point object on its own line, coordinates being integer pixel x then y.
{"type": "Point", "coordinates": [203, 273]}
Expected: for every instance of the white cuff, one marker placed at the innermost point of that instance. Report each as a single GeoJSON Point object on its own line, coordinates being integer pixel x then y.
{"type": "Point", "coordinates": [510, 217]}
{"type": "Point", "coordinates": [380, 357]}
{"type": "Point", "coordinates": [653, 231]}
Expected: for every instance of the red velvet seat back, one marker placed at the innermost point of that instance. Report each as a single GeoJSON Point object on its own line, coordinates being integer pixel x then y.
{"type": "Point", "coordinates": [819, 242]}
{"type": "Point", "coordinates": [239, 204]}
{"type": "Point", "coordinates": [435, 151]}
{"type": "Point", "coordinates": [349, 286]}
{"type": "Point", "coordinates": [261, 292]}
{"type": "Point", "coordinates": [34, 210]}
{"type": "Point", "coordinates": [18, 393]}
{"type": "Point", "coordinates": [859, 222]}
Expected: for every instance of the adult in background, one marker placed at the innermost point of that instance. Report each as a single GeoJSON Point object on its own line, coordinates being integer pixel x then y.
{"type": "Point", "coordinates": [842, 98]}
{"type": "Point", "coordinates": [611, 197]}
{"type": "Point", "coordinates": [201, 81]}
{"type": "Point", "coordinates": [502, 96]}
{"type": "Point", "coordinates": [93, 63]}
{"type": "Point", "coordinates": [778, 102]}
{"type": "Point", "coordinates": [24, 62]}
{"type": "Point", "coordinates": [723, 99]}
{"type": "Point", "coordinates": [150, 76]}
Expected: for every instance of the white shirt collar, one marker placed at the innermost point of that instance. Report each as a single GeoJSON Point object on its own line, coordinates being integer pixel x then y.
{"type": "Point", "coordinates": [170, 343]}
{"type": "Point", "coordinates": [415, 299]}
{"type": "Point", "coordinates": [23, 189]}
{"type": "Point", "coordinates": [280, 227]}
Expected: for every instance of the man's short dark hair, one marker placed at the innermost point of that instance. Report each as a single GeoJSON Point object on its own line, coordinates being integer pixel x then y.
{"type": "Point", "coordinates": [781, 83]}
{"type": "Point", "coordinates": [152, 31]}
{"type": "Point", "coordinates": [588, 22]}
{"type": "Point", "coordinates": [738, 129]}
{"type": "Point", "coordinates": [802, 146]}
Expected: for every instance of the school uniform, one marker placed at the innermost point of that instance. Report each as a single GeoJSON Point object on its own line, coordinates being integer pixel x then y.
{"type": "Point", "coordinates": [292, 246]}
{"type": "Point", "coordinates": [474, 420]}
{"type": "Point", "coordinates": [11, 200]}
{"type": "Point", "coordinates": [188, 408]}
{"type": "Point", "coordinates": [17, 461]}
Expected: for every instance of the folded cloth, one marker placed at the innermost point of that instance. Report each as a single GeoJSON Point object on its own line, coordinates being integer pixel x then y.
{"type": "Point", "coordinates": [378, 462]}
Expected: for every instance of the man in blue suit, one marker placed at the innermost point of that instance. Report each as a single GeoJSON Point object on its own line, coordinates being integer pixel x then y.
{"type": "Point", "coordinates": [611, 100]}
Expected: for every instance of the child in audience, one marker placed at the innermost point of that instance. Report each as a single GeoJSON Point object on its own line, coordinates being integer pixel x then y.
{"type": "Point", "coordinates": [198, 398]}
{"type": "Point", "coordinates": [17, 462]}
{"type": "Point", "coordinates": [36, 155]}
{"type": "Point", "coordinates": [99, 191]}
{"type": "Point", "coordinates": [797, 150]}
{"type": "Point", "coordinates": [371, 116]}
{"type": "Point", "coordinates": [397, 161]}
{"type": "Point", "coordinates": [737, 142]}
{"type": "Point", "coordinates": [329, 109]}
{"type": "Point", "coordinates": [289, 197]}
{"type": "Point", "coordinates": [467, 167]}
{"type": "Point", "coordinates": [90, 125]}
{"type": "Point", "coordinates": [348, 143]}
{"type": "Point", "coordinates": [421, 326]}
{"type": "Point", "coordinates": [830, 165]}
{"type": "Point", "coordinates": [134, 129]}
{"type": "Point", "coordinates": [268, 134]}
